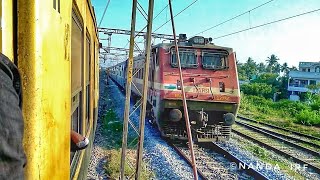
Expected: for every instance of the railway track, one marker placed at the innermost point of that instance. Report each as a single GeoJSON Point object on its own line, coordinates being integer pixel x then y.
{"type": "Point", "coordinates": [280, 130]}
{"type": "Point", "coordinates": [284, 145]}
{"type": "Point", "coordinates": [216, 165]}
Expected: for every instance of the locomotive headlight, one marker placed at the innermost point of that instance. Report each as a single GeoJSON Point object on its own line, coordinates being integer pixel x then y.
{"type": "Point", "coordinates": [175, 115]}
{"type": "Point", "coordinates": [229, 119]}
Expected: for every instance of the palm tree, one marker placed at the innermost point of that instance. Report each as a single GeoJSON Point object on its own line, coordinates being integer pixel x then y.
{"type": "Point", "coordinates": [261, 67]}
{"type": "Point", "coordinates": [250, 68]}
{"type": "Point", "coordinates": [285, 68]}
{"type": "Point", "coordinates": [293, 68]}
{"type": "Point", "coordinates": [250, 61]}
{"type": "Point", "coordinates": [272, 61]}
{"type": "Point", "coordinates": [277, 68]}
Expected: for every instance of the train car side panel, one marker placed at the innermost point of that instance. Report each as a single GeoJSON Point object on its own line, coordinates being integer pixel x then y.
{"type": "Point", "coordinates": [44, 61]}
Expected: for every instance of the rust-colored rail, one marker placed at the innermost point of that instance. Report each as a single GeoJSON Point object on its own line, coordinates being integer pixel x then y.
{"type": "Point", "coordinates": [276, 137]}
{"type": "Point", "coordinates": [185, 157]}
{"type": "Point", "coordinates": [280, 128]}
{"type": "Point", "coordinates": [278, 151]}
{"type": "Point", "coordinates": [254, 173]}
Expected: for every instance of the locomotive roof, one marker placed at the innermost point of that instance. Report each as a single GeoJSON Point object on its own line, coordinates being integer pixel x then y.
{"type": "Point", "coordinates": [187, 45]}
{"type": "Point", "coordinates": [168, 46]}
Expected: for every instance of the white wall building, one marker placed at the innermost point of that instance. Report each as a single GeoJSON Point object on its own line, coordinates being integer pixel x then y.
{"type": "Point", "coordinates": [308, 74]}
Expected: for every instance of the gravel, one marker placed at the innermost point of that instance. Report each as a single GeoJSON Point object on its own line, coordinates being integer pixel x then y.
{"type": "Point", "coordinates": [271, 172]}
{"type": "Point", "coordinates": [159, 156]}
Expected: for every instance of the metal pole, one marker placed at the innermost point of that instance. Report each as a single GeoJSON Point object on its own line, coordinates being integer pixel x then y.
{"type": "Point", "coordinates": [128, 90]}
{"type": "Point", "coordinates": [185, 107]}
{"type": "Point", "coordinates": [145, 90]}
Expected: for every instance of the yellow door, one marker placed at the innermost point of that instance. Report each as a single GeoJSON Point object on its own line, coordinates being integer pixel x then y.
{"type": "Point", "coordinates": [6, 28]}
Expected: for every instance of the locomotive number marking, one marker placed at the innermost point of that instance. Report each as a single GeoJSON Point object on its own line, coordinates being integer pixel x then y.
{"type": "Point", "coordinates": [201, 90]}
{"type": "Point", "coordinates": [178, 95]}
{"type": "Point", "coordinates": [222, 98]}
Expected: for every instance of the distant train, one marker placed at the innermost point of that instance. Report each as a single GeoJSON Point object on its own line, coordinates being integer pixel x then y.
{"type": "Point", "coordinates": [210, 81]}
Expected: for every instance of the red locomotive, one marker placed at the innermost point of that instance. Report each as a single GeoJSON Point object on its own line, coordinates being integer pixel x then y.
{"type": "Point", "coordinates": [211, 86]}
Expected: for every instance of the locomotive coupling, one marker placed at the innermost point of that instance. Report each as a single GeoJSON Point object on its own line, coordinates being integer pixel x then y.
{"type": "Point", "coordinates": [229, 119]}
{"type": "Point", "coordinates": [175, 115]}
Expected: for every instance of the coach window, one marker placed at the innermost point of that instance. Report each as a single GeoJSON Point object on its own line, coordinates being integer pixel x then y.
{"type": "Point", "coordinates": [88, 62]}
{"type": "Point", "coordinates": [77, 66]}
{"type": "Point", "coordinates": [76, 72]}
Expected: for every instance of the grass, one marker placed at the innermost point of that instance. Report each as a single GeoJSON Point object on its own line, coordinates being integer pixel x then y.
{"type": "Point", "coordinates": [285, 113]}
{"type": "Point", "coordinates": [114, 159]}
{"type": "Point", "coordinates": [113, 131]}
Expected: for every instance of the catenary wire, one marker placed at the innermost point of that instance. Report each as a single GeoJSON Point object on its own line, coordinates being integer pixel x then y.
{"type": "Point", "coordinates": [104, 12]}
{"type": "Point", "coordinates": [234, 17]}
{"type": "Point", "coordinates": [261, 25]}
{"type": "Point", "coordinates": [176, 15]}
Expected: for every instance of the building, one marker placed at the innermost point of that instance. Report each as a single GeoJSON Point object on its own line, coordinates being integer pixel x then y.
{"type": "Point", "coordinates": [308, 74]}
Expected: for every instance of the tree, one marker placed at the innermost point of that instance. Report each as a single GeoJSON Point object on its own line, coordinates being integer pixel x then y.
{"type": "Point", "coordinates": [250, 68]}
{"type": "Point", "coordinates": [258, 89]}
{"type": "Point", "coordinates": [277, 68]}
{"type": "Point", "coordinates": [285, 69]}
{"type": "Point", "coordinates": [293, 68]}
{"type": "Point", "coordinates": [268, 78]}
{"type": "Point", "coordinates": [272, 61]}
{"type": "Point", "coordinates": [261, 68]}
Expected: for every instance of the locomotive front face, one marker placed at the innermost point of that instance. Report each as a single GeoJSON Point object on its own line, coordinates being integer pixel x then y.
{"type": "Point", "coordinates": [212, 92]}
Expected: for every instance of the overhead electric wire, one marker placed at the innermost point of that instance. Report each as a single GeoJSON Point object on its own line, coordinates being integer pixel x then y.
{"type": "Point", "coordinates": [160, 11]}
{"type": "Point", "coordinates": [268, 23]}
{"type": "Point", "coordinates": [234, 17]}
{"type": "Point", "coordinates": [153, 20]}
{"type": "Point", "coordinates": [176, 15]}
{"type": "Point", "coordinates": [143, 12]}
{"type": "Point", "coordinates": [104, 12]}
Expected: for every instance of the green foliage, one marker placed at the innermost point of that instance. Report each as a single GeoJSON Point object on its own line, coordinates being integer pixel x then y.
{"type": "Point", "coordinates": [258, 89]}
{"type": "Point", "coordinates": [266, 73]}
{"type": "Point", "coordinates": [260, 152]}
{"type": "Point", "coordinates": [267, 78]}
{"type": "Point", "coordinates": [297, 112]}
{"type": "Point", "coordinates": [273, 65]}
{"type": "Point", "coordinates": [291, 107]}
{"type": "Point", "coordinates": [308, 117]}
{"type": "Point", "coordinates": [111, 122]}
{"type": "Point", "coordinates": [112, 168]}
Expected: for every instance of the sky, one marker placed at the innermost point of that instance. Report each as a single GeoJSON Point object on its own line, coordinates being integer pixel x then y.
{"type": "Point", "coordinates": [292, 41]}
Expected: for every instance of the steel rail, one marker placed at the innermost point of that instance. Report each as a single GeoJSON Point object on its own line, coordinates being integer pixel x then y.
{"type": "Point", "coordinates": [278, 151]}
{"type": "Point", "coordinates": [184, 156]}
{"type": "Point", "coordinates": [285, 136]}
{"type": "Point", "coordinates": [254, 173]}
{"type": "Point", "coordinates": [281, 128]}
{"type": "Point", "coordinates": [310, 151]}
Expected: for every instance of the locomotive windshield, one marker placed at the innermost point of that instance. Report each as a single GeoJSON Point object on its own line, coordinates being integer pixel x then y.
{"type": "Point", "coordinates": [215, 61]}
{"type": "Point", "coordinates": [187, 57]}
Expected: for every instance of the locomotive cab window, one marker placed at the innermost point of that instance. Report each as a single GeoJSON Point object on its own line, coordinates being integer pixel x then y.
{"type": "Point", "coordinates": [213, 60]}
{"type": "Point", "coordinates": [188, 58]}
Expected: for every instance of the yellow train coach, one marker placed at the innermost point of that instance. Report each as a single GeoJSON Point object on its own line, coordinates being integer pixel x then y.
{"type": "Point", "coordinates": [54, 44]}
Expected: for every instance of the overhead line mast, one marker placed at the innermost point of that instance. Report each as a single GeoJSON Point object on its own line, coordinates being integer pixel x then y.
{"type": "Point", "coordinates": [185, 106]}
{"type": "Point", "coordinates": [128, 91]}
